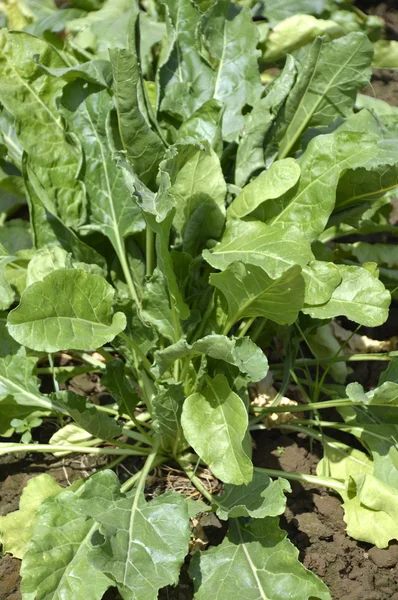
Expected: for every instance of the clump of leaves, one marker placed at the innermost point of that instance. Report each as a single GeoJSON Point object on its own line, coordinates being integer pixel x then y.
{"type": "Point", "coordinates": [179, 214]}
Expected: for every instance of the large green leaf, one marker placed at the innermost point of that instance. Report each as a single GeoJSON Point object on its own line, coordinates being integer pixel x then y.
{"type": "Point", "coordinates": [272, 247]}
{"type": "Point", "coordinates": [256, 562]}
{"type": "Point", "coordinates": [273, 183]}
{"type": "Point", "coordinates": [360, 297]}
{"type": "Point", "coordinates": [215, 424]}
{"type": "Point", "coordinates": [309, 206]}
{"type": "Point", "coordinates": [16, 374]}
{"type": "Point", "coordinates": [16, 528]}
{"type": "Point", "coordinates": [145, 542]}
{"type": "Point", "coordinates": [240, 352]}
{"type": "Point", "coordinates": [250, 157]}
{"type": "Point", "coordinates": [63, 535]}
{"type": "Point", "coordinates": [69, 308]}
{"type": "Point", "coordinates": [261, 498]}
{"type": "Point", "coordinates": [230, 38]}
{"type": "Point", "coordinates": [329, 76]}
{"type": "Point", "coordinates": [48, 228]}
{"type": "Point", "coordinates": [31, 96]}
{"type": "Point", "coordinates": [251, 293]}
{"type": "Point", "coordinates": [184, 77]}
{"type": "Point", "coordinates": [204, 125]}
{"type": "Point", "coordinates": [113, 210]}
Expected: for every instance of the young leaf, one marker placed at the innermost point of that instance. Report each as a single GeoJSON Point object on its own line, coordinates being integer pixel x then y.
{"type": "Point", "coordinates": [241, 352]}
{"type": "Point", "coordinates": [215, 424]}
{"type": "Point", "coordinates": [143, 146]}
{"type": "Point", "coordinates": [97, 423]}
{"type": "Point", "coordinates": [156, 307]}
{"type": "Point", "coordinates": [273, 183]}
{"type": "Point", "coordinates": [251, 293]}
{"type": "Point", "coordinates": [16, 374]}
{"type": "Point", "coordinates": [261, 498]}
{"type": "Point", "coordinates": [145, 542]}
{"type": "Point", "coordinates": [63, 535]}
{"type": "Point", "coordinates": [253, 560]}
{"type": "Point", "coordinates": [45, 261]}
{"type": "Point", "coordinates": [204, 125]}
{"type": "Point", "coordinates": [119, 386]}
{"type": "Point", "coordinates": [10, 410]}
{"type": "Point", "coordinates": [230, 38]}
{"type": "Point", "coordinates": [31, 97]}
{"type": "Point", "coordinates": [271, 247]}
{"type": "Point", "coordinates": [321, 279]}
{"type": "Point", "coordinates": [67, 309]}
{"type": "Point", "coordinates": [360, 297]}
{"type": "Point", "coordinates": [16, 528]}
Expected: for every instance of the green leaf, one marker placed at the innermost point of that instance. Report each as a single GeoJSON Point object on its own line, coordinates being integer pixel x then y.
{"type": "Point", "coordinates": [383, 254]}
{"type": "Point", "coordinates": [95, 71]}
{"type": "Point", "coordinates": [251, 293]}
{"type": "Point", "coordinates": [67, 309]}
{"type": "Point", "coordinates": [261, 498]}
{"type": "Point", "coordinates": [45, 261]}
{"type": "Point", "coordinates": [167, 410]}
{"type": "Point", "coordinates": [309, 206]}
{"type": "Point", "coordinates": [113, 211]}
{"type": "Point", "coordinates": [119, 386]}
{"type": "Point", "coordinates": [360, 297]}
{"type": "Point", "coordinates": [273, 183]}
{"type": "Point", "coordinates": [145, 542]}
{"type": "Point", "coordinates": [215, 424]}
{"type": "Point", "coordinates": [184, 76]}
{"type": "Point", "coordinates": [253, 560]}
{"type": "Point", "coordinates": [241, 352]}
{"type": "Point", "coordinates": [156, 308]}
{"type": "Point", "coordinates": [271, 247]}
{"type": "Point", "coordinates": [250, 157]}
{"type": "Point", "coordinates": [386, 54]}
{"type": "Point", "coordinates": [16, 528]}
{"type": "Point", "coordinates": [294, 33]}
{"type": "Point", "coordinates": [204, 125]}
{"type": "Point", "coordinates": [324, 345]}
{"type": "Point", "coordinates": [143, 146]}
{"type": "Point", "coordinates": [16, 374]}
{"type": "Point", "coordinates": [15, 235]}
{"type": "Point", "coordinates": [329, 76]}
{"type": "Point", "coordinates": [230, 38]}
{"type": "Point", "coordinates": [199, 190]}
{"type": "Point", "coordinates": [31, 97]}
{"type": "Point", "coordinates": [7, 294]}
{"type": "Point", "coordinates": [10, 410]}
{"type": "Point", "coordinates": [48, 228]}
{"type": "Point", "coordinates": [321, 279]}
{"type": "Point", "coordinates": [279, 10]}
{"type": "Point", "coordinates": [144, 336]}
{"type": "Point", "coordinates": [97, 423]}
{"type": "Point", "coordinates": [63, 535]}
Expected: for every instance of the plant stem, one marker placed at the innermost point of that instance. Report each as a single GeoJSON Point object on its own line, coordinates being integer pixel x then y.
{"type": "Point", "coordinates": [142, 475]}
{"type": "Point", "coordinates": [246, 327]}
{"type": "Point", "coordinates": [305, 407]}
{"type": "Point", "coordinates": [195, 480]}
{"type": "Point", "coordinates": [321, 481]}
{"type": "Point", "coordinates": [50, 448]}
{"type": "Point", "coordinates": [150, 251]}
{"type": "Point", "coordinates": [75, 370]}
{"type": "Point", "coordinates": [262, 321]}
{"type": "Point", "coordinates": [127, 274]}
{"type": "Point", "coordinates": [139, 437]}
{"type": "Point", "coordinates": [309, 362]}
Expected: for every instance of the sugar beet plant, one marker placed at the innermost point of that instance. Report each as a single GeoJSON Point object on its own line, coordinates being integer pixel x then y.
{"type": "Point", "coordinates": [179, 213]}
